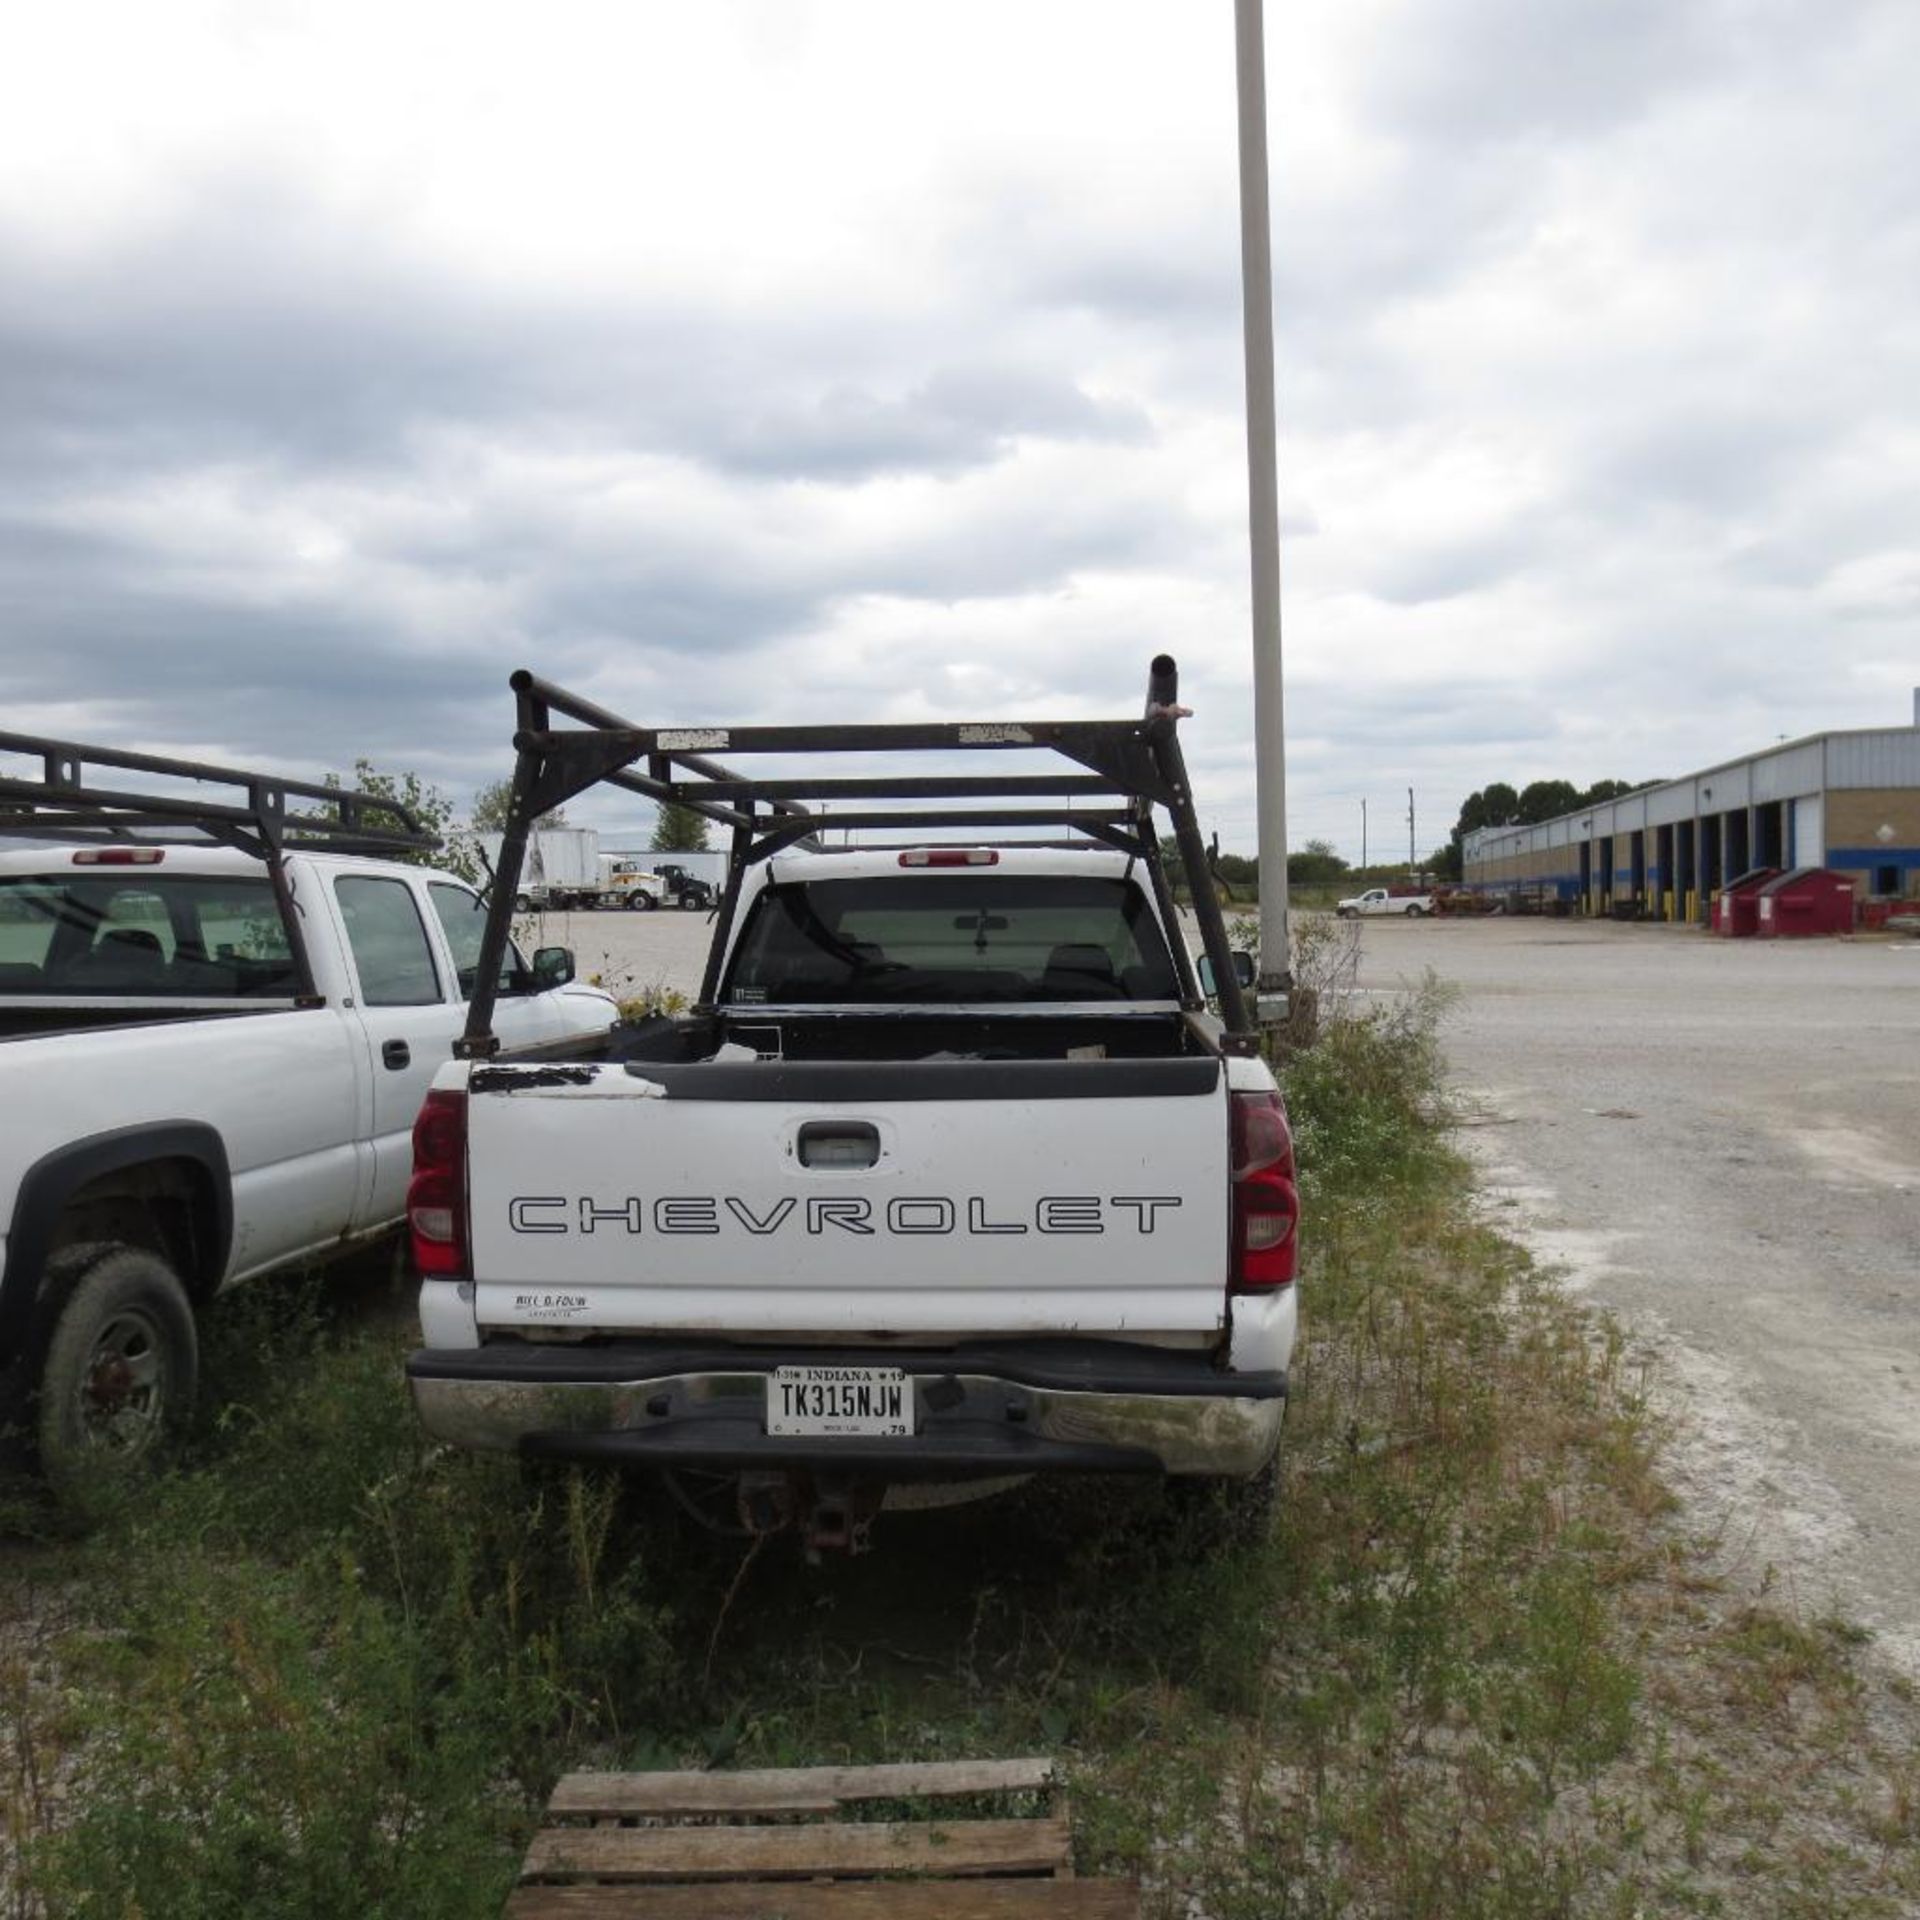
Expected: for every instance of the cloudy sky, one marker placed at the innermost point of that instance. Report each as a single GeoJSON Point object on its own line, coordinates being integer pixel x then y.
{"type": "Point", "coordinates": [765, 359]}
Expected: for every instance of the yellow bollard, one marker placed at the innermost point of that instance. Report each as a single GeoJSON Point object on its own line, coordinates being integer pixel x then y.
{"type": "Point", "coordinates": [1666, 905]}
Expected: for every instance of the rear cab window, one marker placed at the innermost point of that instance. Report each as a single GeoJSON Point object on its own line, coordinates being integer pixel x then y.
{"type": "Point", "coordinates": [950, 939]}
{"type": "Point", "coordinates": [142, 935]}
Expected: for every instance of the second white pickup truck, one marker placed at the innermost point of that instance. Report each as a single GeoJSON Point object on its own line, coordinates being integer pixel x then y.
{"type": "Point", "coordinates": [950, 1176]}
{"type": "Point", "coordinates": [1409, 902]}
{"type": "Point", "coordinates": [210, 1062]}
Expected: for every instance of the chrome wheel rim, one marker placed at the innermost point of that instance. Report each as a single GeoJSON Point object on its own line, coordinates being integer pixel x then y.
{"type": "Point", "coordinates": [122, 1394]}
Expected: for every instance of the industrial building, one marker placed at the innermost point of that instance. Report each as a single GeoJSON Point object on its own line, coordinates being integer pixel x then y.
{"type": "Point", "coordinates": [1845, 801]}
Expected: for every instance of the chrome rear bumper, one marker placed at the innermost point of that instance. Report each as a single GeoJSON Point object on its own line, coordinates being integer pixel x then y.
{"type": "Point", "coordinates": [1018, 1407]}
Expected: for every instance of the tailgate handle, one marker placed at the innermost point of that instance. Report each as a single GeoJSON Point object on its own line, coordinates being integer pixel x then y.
{"type": "Point", "coordinates": [839, 1143]}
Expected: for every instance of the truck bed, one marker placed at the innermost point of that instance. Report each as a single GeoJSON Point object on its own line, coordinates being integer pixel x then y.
{"type": "Point", "coordinates": [28, 1023]}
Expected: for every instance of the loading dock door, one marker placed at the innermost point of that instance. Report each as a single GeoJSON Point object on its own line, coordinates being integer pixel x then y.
{"type": "Point", "coordinates": [1739, 844]}
{"type": "Point", "coordinates": [1809, 846]}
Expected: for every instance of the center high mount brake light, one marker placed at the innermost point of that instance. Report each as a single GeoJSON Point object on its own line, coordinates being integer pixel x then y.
{"type": "Point", "coordinates": [119, 857]}
{"type": "Point", "coordinates": [950, 857]}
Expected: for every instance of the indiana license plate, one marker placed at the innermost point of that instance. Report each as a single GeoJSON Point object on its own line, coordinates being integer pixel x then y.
{"type": "Point", "coordinates": [847, 1402]}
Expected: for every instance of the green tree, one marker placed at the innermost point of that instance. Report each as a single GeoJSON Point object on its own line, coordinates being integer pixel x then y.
{"type": "Point", "coordinates": [1544, 799]}
{"type": "Point", "coordinates": [1237, 871]}
{"type": "Point", "coordinates": [679, 830]}
{"type": "Point", "coordinates": [1496, 805]}
{"type": "Point", "coordinates": [1316, 864]}
{"type": "Point", "coordinates": [1604, 790]}
{"type": "Point", "coordinates": [428, 805]}
{"type": "Point", "coordinates": [1500, 804]}
{"type": "Point", "coordinates": [490, 807]}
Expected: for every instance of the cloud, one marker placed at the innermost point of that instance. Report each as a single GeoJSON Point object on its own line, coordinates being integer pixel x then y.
{"type": "Point", "coordinates": [718, 361]}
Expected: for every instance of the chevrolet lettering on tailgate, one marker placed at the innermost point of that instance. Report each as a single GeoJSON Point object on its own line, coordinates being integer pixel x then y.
{"type": "Point", "coordinates": [906, 1214]}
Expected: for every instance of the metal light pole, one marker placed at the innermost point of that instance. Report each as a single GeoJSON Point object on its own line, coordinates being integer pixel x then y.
{"type": "Point", "coordinates": [1263, 497]}
{"type": "Point", "coordinates": [1363, 833]}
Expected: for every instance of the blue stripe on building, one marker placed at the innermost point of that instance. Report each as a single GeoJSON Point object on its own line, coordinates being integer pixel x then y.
{"type": "Point", "coordinates": [1907, 859]}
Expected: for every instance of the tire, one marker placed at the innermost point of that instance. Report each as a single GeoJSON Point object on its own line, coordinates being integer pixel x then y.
{"type": "Point", "coordinates": [522, 904]}
{"type": "Point", "coordinates": [118, 1376]}
{"type": "Point", "coordinates": [1345, 913]}
{"type": "Point", "coordinates": [648, 903]}
{"type": "Point", "coordinates": [1416, 913]}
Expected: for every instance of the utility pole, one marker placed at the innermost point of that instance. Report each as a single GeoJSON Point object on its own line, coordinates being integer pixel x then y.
{"type": "Point", "coordinates": [1263, 496]}
{"type": "Point", "coordinates": [1363, 833]}
{"type": "Point", "coordinates": [1413, 859]}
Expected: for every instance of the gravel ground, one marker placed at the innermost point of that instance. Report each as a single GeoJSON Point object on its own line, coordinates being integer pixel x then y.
{"type": "Point", "coordinates": [1720, 1141]}
{"type": "Point", "coordinates": [628, 952]}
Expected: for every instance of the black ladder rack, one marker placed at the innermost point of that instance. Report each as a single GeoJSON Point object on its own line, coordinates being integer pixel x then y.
{"type": "Point", "coordinates": [1124, 769]}
{"type": "Point", "coordinates": [81, 797]}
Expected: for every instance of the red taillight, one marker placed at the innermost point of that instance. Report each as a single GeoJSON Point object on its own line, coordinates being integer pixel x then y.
{"type": "Point", "coordinates": [950, 857]}
{"type": "Point", "coordinates": [1266, 1203]}
{"type": "Point", "coordinates": [119, 857]}
{"type": "Point", "coordinates": [437, 1193]}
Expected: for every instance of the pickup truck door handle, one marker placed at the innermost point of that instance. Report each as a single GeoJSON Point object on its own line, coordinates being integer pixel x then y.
{"type": "Point", "coordinates": [396, 1054]}
{"type": "Point", "coordinates": [839, 1143]}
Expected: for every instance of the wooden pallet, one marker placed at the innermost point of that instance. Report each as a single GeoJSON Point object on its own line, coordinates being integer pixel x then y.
{"type": "Point", "coordinates": [773, 1845]}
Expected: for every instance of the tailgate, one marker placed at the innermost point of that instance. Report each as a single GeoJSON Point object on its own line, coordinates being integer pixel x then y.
{"type": "Point", "coordinates": [947, 1197]}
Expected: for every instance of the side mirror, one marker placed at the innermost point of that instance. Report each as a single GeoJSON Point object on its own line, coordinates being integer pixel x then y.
{"type": "Point", "coordinates": [1244, 972]}
{"type": "Point", "coordinates": [552, 967]}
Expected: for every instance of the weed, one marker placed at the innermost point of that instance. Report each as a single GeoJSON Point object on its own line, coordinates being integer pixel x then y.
{"type": "Point", "coordinates": [637, 999]}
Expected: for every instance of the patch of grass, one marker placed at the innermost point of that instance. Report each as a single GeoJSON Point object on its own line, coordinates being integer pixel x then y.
{"type": "Point", "coordinates": [326, 1668]}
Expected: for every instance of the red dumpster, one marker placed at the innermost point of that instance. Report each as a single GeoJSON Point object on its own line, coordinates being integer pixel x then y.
{"type": "Point", "coordinates": [1805, 901]}
{"type": "Point", "coordinates": [1737, 912]}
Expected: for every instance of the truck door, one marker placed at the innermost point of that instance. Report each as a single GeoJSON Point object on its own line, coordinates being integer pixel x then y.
{"type": "Point", "coordinates": [409, 1020]}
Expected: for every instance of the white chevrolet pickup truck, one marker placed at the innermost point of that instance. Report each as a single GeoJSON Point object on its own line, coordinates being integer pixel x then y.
{"type": "Point", "coordinates": [211, 1057]}
{"type": "Point", "coordinates": [1412, 902]}
{"type": "Point", "coordinates": [950, 1176]}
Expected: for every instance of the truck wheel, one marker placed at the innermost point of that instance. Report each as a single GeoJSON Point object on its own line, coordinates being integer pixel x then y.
{"type": "Point", "coordinates": [117, 1383]}
{"type": "Point", "coordinates": [1416, 913]}
{"type": "Point", "coordinates": [648, 903]}
{"type": "Point", "coordinates": [521, 903]}
{"type": "Point", "coordinates": [636, 900]}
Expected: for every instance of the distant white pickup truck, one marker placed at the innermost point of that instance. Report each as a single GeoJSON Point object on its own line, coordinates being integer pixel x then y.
{"type": "Point", "coordinates": [1376, 900]}
{"type": "Point", "coordinates": [952, 1174]}
{"type": "Point", "coordinates": [210, 1064]}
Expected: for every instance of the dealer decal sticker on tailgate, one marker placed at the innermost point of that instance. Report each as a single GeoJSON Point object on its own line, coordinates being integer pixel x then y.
{"type": "Point", "coordinates": [549, 1306]}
